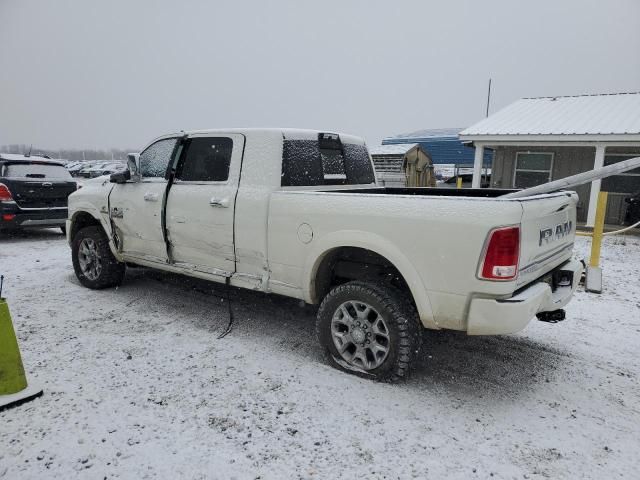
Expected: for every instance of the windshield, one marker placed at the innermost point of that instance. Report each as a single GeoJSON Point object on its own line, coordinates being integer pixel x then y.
{"type": "Point", "coordinates": [35, 170]}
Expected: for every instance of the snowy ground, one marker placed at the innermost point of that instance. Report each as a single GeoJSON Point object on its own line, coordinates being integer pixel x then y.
{"type": "Point", "coordinates": [138, 386]}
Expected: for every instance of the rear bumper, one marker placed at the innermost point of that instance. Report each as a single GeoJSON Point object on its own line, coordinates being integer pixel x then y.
{"type": "Point", "coordinates": [495, 317]}
{"type": "Point", "coordinates": [12, 216]}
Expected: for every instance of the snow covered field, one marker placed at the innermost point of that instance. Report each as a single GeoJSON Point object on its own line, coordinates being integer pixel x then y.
{"type": "Point", "coordinates": [137, 385]}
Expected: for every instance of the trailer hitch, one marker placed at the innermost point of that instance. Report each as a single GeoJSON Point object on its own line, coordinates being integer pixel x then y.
{"type": "Point", "coordinates": [552, 317]}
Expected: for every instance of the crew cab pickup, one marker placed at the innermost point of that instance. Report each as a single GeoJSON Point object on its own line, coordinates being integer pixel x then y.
{"type": "Point", "coordinates": [299, 213]}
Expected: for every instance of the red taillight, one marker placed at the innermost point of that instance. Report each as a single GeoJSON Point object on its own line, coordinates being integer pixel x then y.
{"type": "Point", "coordinates": [501, 257]}
{"type": "Point", "coordinates": [7, 217]}
{"type": "Point", "coordinates": [5, 193]}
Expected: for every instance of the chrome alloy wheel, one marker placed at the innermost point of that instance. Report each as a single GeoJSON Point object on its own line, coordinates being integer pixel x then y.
{"type": "Point", "coordinates": [360, 335]}
{"type": "Point", "coordinates": [89, 259]}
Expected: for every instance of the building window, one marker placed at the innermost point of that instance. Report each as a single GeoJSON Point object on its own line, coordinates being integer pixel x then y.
{"type": "Point", "coordinates": [627, 182]}
{"type": "Point", "coordinates": [532, 168]}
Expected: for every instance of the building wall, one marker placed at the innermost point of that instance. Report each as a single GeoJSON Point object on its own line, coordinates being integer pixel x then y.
{"type": "Point", "coordinates": [616, 206]}
{"type": "Point", "coordinates": [567, 161]}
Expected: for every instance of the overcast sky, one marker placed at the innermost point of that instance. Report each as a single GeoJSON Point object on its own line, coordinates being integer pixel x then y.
{"type": "Point", "coordinates": [118, 73]}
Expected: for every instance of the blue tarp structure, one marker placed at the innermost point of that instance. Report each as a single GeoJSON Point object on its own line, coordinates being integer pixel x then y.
{"type": "Point", "coordinates": [442, 144]}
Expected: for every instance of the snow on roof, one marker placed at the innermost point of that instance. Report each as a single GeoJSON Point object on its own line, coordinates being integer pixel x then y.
{"type": "Point", "coordinates": [430, 133]}
{"type": "Point", "coordinates": [33, 157]}
{"type": "Point", "coordinates": [287, 133]}
{"type": "Point", "coordinates": [604, 114]}
{"type": "Point", "coordinates": [397, 149]}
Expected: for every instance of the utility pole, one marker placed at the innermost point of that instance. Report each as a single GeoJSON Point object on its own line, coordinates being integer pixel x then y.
{"type": "Point", "coordinates": [488, 98]}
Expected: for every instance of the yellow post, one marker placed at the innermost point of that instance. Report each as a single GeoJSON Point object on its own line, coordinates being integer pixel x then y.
{"type": "Point", "coordinates": [459, 182]}
{"type": "Point", "coordinates": [12, 377]}
{"type": "Point", "coordinates": [598, 229]}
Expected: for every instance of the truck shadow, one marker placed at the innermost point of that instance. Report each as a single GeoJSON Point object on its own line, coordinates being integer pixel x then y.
{"type": "Point", "coordinates": [31, 235]}
{"type": "Point", "coordinates": [453, 361]}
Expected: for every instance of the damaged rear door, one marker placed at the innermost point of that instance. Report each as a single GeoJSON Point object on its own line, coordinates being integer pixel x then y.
{"type": "Point", "coordinates": [201, 203]}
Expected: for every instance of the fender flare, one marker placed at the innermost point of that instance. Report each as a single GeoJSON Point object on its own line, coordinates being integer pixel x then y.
{"type": "Point", "coordinates": [101, 218]}
{"type": "Point", "coordinates": [378, 245]}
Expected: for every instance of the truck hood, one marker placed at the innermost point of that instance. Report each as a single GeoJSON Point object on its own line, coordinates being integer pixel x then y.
{"type": "Point", "coordinates": [92, 195]}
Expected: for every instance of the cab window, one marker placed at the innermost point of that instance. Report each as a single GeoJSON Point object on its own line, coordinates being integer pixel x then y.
{"type": "Point", "coordinates": [154, 161]}
{"type": "Point", "coordinates": [206, 160]}
{"type": "Point", "coordinates": [326, 161]}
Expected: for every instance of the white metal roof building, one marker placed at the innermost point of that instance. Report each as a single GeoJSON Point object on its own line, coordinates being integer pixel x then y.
{"type": "Point", "coordinates": [540, 139]}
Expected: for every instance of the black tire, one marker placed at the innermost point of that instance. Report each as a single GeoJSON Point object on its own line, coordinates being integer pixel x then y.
{"type": "Point", "coordinates": [400, 318]}
{"type": "Point", "coordinates": [111, 272]}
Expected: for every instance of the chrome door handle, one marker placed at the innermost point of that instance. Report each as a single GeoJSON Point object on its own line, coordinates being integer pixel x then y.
{"type": "Point", "coordinates": [151, 197]}
{"type": "Point", "coordinates": [219, 202]}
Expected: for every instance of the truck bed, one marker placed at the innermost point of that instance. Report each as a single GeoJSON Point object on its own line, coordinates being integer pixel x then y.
{"type": "Point", "coordinates": [432, 191]}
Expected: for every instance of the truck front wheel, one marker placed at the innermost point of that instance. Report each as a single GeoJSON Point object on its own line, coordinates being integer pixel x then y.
{"type": "Point", "coordinates": [93, 262]}
{"type": "Point", "coordinates": [369, 329]}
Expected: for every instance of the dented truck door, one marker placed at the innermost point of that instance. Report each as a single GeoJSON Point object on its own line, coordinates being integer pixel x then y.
{"type": "Point", "coordinates": [201, 203]}
{"type": "Point", "coordinates": [136, 207]}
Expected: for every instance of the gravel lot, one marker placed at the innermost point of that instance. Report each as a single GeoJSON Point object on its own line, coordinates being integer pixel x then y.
{"type": "Point", "coordinates": [137, 385]}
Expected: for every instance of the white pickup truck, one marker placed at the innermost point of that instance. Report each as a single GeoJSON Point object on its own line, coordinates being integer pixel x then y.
{"type": "Point", "coordinates": [299, 213]}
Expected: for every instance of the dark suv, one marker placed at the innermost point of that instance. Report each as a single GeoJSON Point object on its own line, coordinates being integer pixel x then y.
{"type": "Point", "coordinates": [33, 192]}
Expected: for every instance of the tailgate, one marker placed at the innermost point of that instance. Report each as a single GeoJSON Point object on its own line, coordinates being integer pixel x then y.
{"type": "Point", "coordinates": [41, 194]}
{"type": "Point", "coordinates": [547, 233]}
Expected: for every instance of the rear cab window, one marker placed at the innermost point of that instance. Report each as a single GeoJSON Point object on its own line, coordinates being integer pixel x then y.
{"type": "Point", "coordinates": [36, 171]}
{"type": "Point", "coordinates": [325, 161]}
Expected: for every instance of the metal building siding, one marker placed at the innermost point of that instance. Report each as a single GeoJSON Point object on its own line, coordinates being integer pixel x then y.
{"type": "Point", "coordinates": [566, 161]}
{"type": "Point", "coordinates": [443, 150]}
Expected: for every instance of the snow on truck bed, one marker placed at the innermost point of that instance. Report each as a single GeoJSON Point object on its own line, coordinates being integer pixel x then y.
{"type": "Point", "coordinates": [137, 385]}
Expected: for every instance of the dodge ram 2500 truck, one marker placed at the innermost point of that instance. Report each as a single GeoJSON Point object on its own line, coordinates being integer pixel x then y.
{"type": "Point", "coordinates": [299, 213]}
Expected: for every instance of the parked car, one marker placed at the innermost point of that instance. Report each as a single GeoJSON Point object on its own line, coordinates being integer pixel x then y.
{"type": "Point", "coordinates": [105, 169]}
{"type": "Point", "coordinates": [633, 209]}
{"type": "Point", "coordinates": [33, 192]}
{"type": "Point", "coordinates": [90, 166]}
{"type": "Point", "coordinates": [75, 167]}
{"type": "Point", "coordinates": [299, 213]}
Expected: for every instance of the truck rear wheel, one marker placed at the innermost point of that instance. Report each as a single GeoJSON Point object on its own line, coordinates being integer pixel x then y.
{"type": "Point", "coordinates": [369, 329]}
{"type": "Point", "coordinates": [93, 262]}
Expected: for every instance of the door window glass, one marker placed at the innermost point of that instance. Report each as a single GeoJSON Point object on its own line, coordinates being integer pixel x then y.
{"type": "Point", "coordinates": [206, 160]}
{"type": "Point", "coordinates": [155, 159]}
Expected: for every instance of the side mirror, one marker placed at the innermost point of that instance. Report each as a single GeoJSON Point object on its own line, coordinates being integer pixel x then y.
{"type": "Point", "coordinates": [133, 166]}
{"type": "Point", "coordinates": [120, 177]}
{"type": "Point", "coordinates": [131, 173]}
